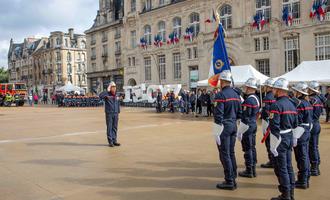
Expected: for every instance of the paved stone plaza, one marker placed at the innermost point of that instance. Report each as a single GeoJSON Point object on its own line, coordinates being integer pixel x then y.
{"type": "Point", "coordinates": [47, 153]}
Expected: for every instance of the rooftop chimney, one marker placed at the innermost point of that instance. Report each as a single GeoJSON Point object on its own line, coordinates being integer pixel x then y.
{"type": "Point", "coordinates": [71, 32]}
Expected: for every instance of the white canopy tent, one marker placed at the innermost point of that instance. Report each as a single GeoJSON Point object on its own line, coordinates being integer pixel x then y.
{"type": "Point", "coordinates": [310, 71]}
{"type": "Point", "coordinates": [240, 74]}
{"type": "Point", "coordinates": [70, 88]}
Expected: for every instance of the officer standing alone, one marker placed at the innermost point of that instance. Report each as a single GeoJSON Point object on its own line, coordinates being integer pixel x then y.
{"type": "Point", "coordinates": [301, 135]}
{"type": "Point", "coordinates": [283, 119]}
{"type": "Point", "coordinates": [267, 102]}
{"type": "Point", "coordinates": [227, 111]}
{"type": "Point", "coordinates": [112, 110]}
{"type": "Point", "coordinates": [248, 128]}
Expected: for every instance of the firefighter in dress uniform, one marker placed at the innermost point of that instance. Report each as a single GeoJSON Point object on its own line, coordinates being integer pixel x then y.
{"type": "Point", "coordinates": [301, 137]}
{"type": "Point", "coordinates": [267, 102]}
{"type": "Point", "coordinates": [248, 128]}
{"type": "Point", "coordinates": [283, 119]}
{"type": "Point", "coordinates": [317, 103]}
{"type": "Point", "coordinates": [226, 112]}
{"type": "Point", "coordinates": [112, 110]}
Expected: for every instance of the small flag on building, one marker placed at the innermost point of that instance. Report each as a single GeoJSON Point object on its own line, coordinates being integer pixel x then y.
{"type": "Point", "coordinates": [189, 34]}
{"type": "Point", "coordinates": [212, 19]}
{"type": "Point", "coordinates": [287, 16]}
{"type": "Point", "coordinates": [143, 43]}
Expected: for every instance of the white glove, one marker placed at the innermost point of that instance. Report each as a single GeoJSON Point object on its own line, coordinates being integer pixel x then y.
{"type": "Point", "coordinates": [264, 125]}
{"type": "Point", "coordinates": [238, 122]}
{"type": "Point", "coordinates": [217, 131]}
{"type": "Point", "coordinates": [242, 128]}
{"type": "Point", "coordinates": [311, 127]}
{"type": "Point", "coordinates": [274, 143]}
{"type": "Point", "coordinates": [298, 132]}
{"type": "Point", "coordinates": [295, 142]}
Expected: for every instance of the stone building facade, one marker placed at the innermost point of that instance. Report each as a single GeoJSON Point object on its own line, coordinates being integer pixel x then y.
{"type": "Point", "coordinates": [274, 50]}
{"type": "Point", "coordinates": [52, 62]}
{"type": "Point", "coordinates": [104, 46]}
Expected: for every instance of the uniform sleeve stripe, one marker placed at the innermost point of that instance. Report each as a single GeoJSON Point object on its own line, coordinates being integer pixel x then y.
{"type": "Point", "coordinates": [226, 100]}
{"type": "Point", "coordinates": [250, 106]}
{"type": "Point", "coordinates": [307, 108]}
{"type": "Point", "coordinates": [269, 101]}
{"type": "Point", "coordinates": [284, 113]}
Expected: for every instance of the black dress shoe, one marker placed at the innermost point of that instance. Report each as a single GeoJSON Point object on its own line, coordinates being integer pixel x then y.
{"type": "Point", "coordinates": [286, 196]}
{"type": "Point", "coordinates": [301, 185]}
{"type": "Point", "coordinates": [267, 165]}
{"type": "Point", "coordinates": [248, 173]}
{"type": "Point", "coordinates": [111, 145]}
{"type": "Point", "coordinates": [116, 144]}
{"type": "Point", "coordinates": [226, 186]}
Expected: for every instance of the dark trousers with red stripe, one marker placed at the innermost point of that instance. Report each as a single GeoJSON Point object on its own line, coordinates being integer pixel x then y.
{"type": "Point", "coordinates": [302, 157]}
{"type": "Point", "coordinates": [249, 146]}
{"type": "Point", "coordinates": [314, 153]}
{"type": "Point", "coordinates": [283, 164]}
{"type": "Point", "coordinates": [227, 151]}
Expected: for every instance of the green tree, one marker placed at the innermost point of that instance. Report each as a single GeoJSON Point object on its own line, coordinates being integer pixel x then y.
{"type": "Point", "coordinates": [4, 75]}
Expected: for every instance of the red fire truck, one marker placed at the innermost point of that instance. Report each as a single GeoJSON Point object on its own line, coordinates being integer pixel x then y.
{"type": "Point", "coordinates": [16, 90]}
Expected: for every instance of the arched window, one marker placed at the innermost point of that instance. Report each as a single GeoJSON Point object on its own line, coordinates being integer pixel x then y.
{"type": "Point", "coordinates": [162, 30]}
{"type": "Point", "coordinates": [147, 34]}
{"type": "Point", "coordinates": [194, 23]}
{"type": "Point", "coordinates": [69, 57]}
{"type": "Point", "coordinates": [177, 26]}
{"type": "Point", "coordinates": [225, 16]}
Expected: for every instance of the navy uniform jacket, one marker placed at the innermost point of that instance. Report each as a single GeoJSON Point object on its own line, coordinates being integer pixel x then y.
{"type": "Point", "coordinates": [283, 116]}
{"type": "Point", "coordinates": [159, 97]}
{"type": "Point", "coordinates": [317, 107]}
{"type": "Point", "coordinates": [251, 108]}
{"type": "Point", "coordinates": [227, 106]}
{"type": "Point", "coordinates": [305, 111]}
{"type": "Point", "coordinates": [267, 102]}
{"type": "Point", "coordinates": [111, 101]}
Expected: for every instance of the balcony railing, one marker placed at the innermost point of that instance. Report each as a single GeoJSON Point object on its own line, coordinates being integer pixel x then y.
{"type": "Point", "coordinates": [295, 22]}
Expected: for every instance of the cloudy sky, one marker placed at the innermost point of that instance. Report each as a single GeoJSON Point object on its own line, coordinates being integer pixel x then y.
{"type": "Point", "coordinates": [22, 18]}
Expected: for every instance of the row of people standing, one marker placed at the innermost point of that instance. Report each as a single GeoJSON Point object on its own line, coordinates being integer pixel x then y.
{"type": "Point", "coordinates": [289, 123]}
{"type": "Point", "coordinates": [185, 102]}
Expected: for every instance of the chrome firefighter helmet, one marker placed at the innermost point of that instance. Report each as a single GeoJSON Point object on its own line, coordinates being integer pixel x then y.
{"type": "Point", "coordinates": [252, 83]}
{"type": "Point", "coordinates": [301, 87]}
{"type": "Point", "coordinates": [281, 84]}
{"type": "Point", "coordinates": [225, 76]}
{"type": "Point", "coordinates": [314, 86]}
{"type": "Point", "coordinates": [269, 82]}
